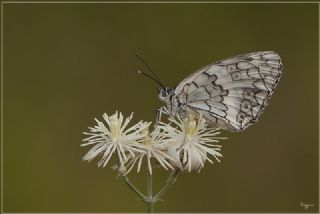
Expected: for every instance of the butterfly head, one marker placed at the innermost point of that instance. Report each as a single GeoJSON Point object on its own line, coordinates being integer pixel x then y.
{"type": "Point", "coordinates": [165, 93]}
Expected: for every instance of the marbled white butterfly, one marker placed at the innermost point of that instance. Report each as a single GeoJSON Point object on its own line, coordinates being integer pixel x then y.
{"type": "Point", "coordinates": [231, 93]}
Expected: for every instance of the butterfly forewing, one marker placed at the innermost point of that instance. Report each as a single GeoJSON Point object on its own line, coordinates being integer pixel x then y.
{"type": "Point", "coordinates": [232, 93]}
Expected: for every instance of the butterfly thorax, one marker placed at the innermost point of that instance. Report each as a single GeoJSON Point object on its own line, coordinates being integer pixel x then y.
{"type": "Point", "coordinates": [174, 106]}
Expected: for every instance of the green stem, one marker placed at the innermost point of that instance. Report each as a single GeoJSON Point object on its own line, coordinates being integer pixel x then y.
{"type": "Point", "coordinates": [149, 198]}
{"type": "Point", "coordinates": [127, 181]}
{"type": "Point", "coordinates": [133, 187]}
{"type": "Point", "coordinates": [170, 181]}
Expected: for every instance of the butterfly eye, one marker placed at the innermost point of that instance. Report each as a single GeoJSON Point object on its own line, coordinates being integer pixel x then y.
{"type": "Point", "coordinates": [163, 93]}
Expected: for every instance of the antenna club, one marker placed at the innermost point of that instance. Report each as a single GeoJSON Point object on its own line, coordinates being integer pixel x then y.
{"type": "Point", "coordinates": [154, 76]}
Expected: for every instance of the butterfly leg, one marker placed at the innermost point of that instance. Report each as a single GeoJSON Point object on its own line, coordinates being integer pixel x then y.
{"type": "Point", "coordinates": [182, 154]}
{"type": "Point", "coordinates": [158, 116]}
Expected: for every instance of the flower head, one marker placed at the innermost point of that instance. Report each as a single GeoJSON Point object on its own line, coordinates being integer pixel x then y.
{"type": "Point", "coordinates": [154, 146]}
{"type": "Point", "coordinates": [114, 137]}
{"type": "Point", "coordinates": [191, 142]}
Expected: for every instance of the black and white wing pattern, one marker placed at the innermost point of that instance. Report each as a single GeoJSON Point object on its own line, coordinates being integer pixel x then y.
{"type": "Point", "coordinates": [232, 93]}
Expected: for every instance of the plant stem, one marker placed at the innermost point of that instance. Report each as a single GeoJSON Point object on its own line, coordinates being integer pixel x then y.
{"type": "Point", "coordinates": [127, 181]}
{"type": "Point", "coordinates": [149, 201]}
{"type": "Point", "coordinates": [171, 179]}
{"type": "Point", "coordinates": [133, 187]}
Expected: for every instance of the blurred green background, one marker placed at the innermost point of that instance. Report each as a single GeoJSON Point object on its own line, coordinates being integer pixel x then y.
{"type": "Point", "coordinates": [65, 64]}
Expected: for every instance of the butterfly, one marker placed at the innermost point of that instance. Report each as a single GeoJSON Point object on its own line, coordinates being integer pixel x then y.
{"type": "Point", "coordinates": [231, 94]}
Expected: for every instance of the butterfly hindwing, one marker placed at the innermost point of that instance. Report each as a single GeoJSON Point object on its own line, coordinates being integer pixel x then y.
{"type": "Point", "coordinates": [232, 93]}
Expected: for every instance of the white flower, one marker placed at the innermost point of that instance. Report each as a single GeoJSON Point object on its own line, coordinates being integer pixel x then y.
{"type": "Point", "coordinates": [154, 146]}
{"type": "Point", "coordinates": [191, 142]}
{"type": "Point", "coordinates": [114, 138]}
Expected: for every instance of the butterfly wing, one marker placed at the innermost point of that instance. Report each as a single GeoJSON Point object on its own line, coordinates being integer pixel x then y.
{"type": "Point", "coordinates": [232, 93]}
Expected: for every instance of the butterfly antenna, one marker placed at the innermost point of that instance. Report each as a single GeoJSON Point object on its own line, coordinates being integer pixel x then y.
{"type": "Point", "coordinates": [151, 77]}
{"type": "Point", "coordinates": [155, 76]}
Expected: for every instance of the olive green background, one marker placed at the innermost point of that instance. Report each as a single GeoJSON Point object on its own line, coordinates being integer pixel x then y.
{"type": "Point", "coordinates": [65, 64]}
